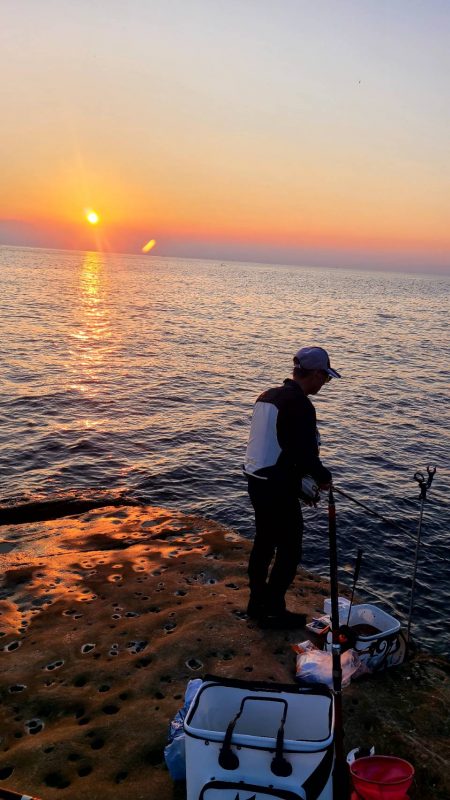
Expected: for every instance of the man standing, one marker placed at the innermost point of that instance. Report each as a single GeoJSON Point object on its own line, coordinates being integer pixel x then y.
{"type": "Point", "coordinates": [283, 448]}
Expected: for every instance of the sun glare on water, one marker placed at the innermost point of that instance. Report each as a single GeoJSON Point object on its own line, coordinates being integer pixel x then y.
{"type": "Point", "coordinates": [92, 217]}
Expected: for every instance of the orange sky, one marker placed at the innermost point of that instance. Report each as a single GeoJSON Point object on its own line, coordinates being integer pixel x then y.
{"type": "Point", "coordinates": [321, 129]}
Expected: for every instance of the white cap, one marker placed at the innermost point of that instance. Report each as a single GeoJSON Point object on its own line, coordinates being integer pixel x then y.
{"type": "Point", "coordinates": [315, 358]}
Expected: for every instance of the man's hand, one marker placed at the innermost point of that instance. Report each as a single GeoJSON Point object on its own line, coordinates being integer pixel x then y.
{"type": "Point", "coordinates": [310, 501]}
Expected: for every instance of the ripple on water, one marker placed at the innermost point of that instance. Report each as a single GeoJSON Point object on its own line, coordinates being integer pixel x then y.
{"type": "Point", "coordinates": [144, 378]}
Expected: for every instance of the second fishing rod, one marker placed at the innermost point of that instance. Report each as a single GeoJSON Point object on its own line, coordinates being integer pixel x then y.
{"type": "Point", "coordinates": [424, 482]}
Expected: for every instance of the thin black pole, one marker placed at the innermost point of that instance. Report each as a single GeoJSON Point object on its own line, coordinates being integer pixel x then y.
{"type": "Point", "coordinates": [424, 484]}
{"type": "Point", "coordinates": [341, 783]}
{"type": "Point", "coordinates": [355, 581]}
{"type": "Point", "coordinates": [413, 579]}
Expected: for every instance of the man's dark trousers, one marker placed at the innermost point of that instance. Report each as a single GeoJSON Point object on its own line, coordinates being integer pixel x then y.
{"type": "Point", "coordinates": [279, 532]}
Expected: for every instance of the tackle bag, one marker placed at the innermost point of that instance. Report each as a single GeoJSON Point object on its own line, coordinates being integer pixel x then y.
{"type": "Point", "coordinates": [385, 647]}
{"type": "Point", "coordinates": [259, 740]}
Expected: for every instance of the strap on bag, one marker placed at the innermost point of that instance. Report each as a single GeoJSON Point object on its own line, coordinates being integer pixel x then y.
{"type": "Point", "coordinates": [280, 766]}
{"type": "Point", "coordinates": [313, 786]}
{"type": "Point", "coordinates": [228, 759]}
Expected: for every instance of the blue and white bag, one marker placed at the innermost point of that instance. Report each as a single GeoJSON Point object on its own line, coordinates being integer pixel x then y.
{"type": "Point", "coordinates": [174, 752]}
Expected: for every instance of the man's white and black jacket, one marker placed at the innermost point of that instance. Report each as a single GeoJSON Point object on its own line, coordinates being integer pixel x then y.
{"type": "Point", "coordinates": [284, 441]}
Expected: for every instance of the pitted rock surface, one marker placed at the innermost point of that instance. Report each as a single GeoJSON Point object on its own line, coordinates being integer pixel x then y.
{"type": "Point", "coordinates": [103, 620]}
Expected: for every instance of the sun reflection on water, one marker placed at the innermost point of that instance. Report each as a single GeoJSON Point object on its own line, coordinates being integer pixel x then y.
{"type": "Point", "coordinates": [93, 330]}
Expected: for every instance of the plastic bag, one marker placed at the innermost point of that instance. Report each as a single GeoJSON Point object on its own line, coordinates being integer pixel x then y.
{"type": "Point", "coordinates": [174, 752]}
{"type": "Point", "coordinates": [316, 666]}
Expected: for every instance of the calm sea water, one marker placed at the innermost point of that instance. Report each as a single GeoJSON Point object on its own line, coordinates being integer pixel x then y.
{"type": "Point", "coordinates": [141, 373]}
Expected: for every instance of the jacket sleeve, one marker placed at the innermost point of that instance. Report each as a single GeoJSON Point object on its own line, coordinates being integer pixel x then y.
{"type": "Point", "coordinates": [297, 434]}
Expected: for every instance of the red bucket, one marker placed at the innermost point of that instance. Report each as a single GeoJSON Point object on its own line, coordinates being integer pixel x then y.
{"type": "Point", "coordinates": [382, 777]}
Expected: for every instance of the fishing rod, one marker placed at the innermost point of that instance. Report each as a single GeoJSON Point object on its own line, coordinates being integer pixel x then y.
{"type": "Point", "coordinates": [341, 778]}
{"type": "Point", "coordinates": [373, 512]}
{"type": "Point", "coordinates": [424, 484]}
{"type": "Point", "coordinates": [355, 581]}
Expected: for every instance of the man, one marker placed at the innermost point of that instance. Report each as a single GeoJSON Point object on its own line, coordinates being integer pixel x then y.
{"type": "Point", "coordinates": [283, 448]}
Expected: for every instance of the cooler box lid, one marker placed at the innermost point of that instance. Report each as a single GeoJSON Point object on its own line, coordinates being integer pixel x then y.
{"type": "Point", "coordinates": [309, 717]}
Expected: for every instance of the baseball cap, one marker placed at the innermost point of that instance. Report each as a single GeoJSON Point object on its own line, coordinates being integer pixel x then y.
{"type": "Point", "coordinates": [315, 358]}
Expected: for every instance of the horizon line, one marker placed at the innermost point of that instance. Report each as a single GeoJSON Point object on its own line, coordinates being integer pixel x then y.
{"type": "Point", "coordinates": [443, 272]}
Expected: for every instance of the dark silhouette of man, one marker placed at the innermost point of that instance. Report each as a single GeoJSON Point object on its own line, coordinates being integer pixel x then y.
{"type": "Point", "coordinates": [283, 449]}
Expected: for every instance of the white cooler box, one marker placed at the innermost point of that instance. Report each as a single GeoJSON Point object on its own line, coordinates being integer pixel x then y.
{"type": "Point", "coordinates": [260, 741]}
{"type": "Point", "coordinates": [378, 650]}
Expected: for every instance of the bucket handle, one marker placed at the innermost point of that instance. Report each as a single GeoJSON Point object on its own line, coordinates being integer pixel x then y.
{"type": "Point", "coordinates": [228, 759]}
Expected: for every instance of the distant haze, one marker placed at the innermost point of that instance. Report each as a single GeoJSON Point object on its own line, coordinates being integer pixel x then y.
{"type": "Point", "coordinates": [285, 132]}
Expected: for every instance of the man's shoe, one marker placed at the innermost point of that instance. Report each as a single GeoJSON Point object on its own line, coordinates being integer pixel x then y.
{"type": "Point", "coordinates": [286, 620]}
{"type": "Point", "coordinates": [255, 610]}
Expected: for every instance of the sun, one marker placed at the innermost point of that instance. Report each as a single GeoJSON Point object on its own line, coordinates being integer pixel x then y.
{"type": "Point", "coordinates": [92, 217]}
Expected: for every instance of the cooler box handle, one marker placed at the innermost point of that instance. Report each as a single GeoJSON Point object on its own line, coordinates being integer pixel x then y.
{"type": "Point", "coordinates": [228, 759]}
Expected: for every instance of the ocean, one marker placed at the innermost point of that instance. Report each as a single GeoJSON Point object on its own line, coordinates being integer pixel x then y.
{"type": "Point", "coordinates": [140, 373]}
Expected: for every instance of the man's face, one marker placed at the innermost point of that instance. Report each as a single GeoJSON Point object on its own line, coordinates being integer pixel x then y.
{"type": "Point", "coordinates": [319, 378]}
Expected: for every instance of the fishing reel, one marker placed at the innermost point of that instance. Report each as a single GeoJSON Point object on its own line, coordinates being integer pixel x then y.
{"type": "Point", "coordinates": [309, 491]}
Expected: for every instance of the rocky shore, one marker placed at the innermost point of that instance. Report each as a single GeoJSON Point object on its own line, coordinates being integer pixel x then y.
{"type": "Point", "coordinates": [104, 617]}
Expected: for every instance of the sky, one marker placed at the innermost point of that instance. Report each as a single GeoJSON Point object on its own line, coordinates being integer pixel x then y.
{"type": "Point", "coordinates": [281, 131]}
